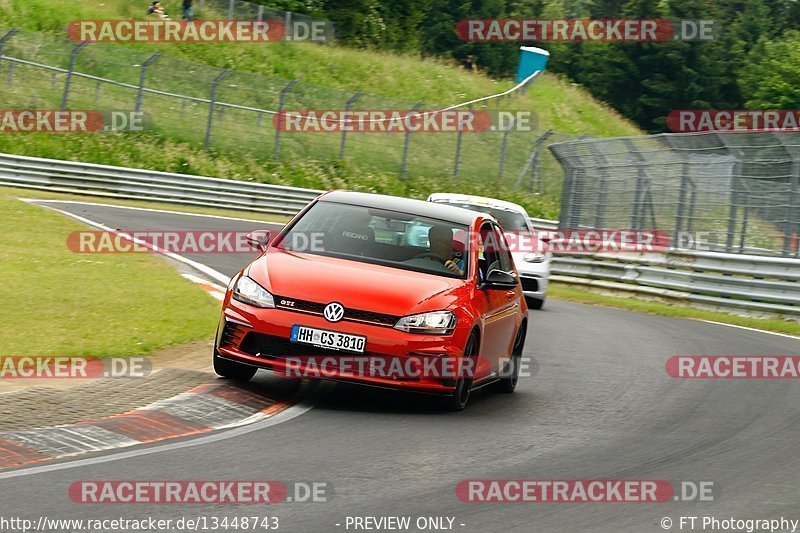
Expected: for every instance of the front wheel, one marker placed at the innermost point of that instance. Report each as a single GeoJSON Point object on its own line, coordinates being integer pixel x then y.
{"type": "Point", "coordinates": [459, 400]}
{"type": "Point", "coordinates": [508, 383]}
{"type": "Point", "coordinates": [232, 369]}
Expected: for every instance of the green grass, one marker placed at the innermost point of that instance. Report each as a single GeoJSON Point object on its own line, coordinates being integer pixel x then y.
{"type": "Point", "coordinates": [560, 291]}
{"type": "Point", "coordinates": [56, 302]}
{"type": "Point", "coordinates": [137, 151]}
{"type": "Point", "coordinates": [243, 142]}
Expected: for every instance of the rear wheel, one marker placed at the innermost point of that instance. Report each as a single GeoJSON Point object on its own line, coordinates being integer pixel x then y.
{"type": "Point", "coordinates": [511, 373]}
{"type": "Point", "coordinates": [232, 369]}
{"type": "Point", "coordinates": [458, 401]}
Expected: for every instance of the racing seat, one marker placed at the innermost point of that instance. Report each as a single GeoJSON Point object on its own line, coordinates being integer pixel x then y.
{"type": "Point", "coordinates": [350, 235]}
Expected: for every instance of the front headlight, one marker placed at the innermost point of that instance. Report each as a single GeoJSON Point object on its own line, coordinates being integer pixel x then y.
{"type": "Point", "coordinates": [435, 322]}
{"type": "Point", "coordinates": [250, 292]}
{"type": "Point", "coordinates": [533, 257]}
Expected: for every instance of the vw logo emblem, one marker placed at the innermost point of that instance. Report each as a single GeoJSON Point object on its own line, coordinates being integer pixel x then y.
{"type": "Point", "coordinates": [333, 312]}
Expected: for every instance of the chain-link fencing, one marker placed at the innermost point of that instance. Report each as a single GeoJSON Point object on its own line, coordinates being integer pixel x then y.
{"type": "Point", "coordinates": [234, 112]}
{"type": "Point", "coordinates": [731, 192]}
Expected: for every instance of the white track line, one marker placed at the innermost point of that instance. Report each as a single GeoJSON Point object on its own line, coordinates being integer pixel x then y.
{"type": "Point", "coordinates": [750, 329]}
{"type": "Point", "coordinates": [41, 201]}
{"type": "Point", "coordinates": [216, 275]}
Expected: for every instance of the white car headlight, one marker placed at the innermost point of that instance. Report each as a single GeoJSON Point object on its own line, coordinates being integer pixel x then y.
{"type": "Point", "coordinates": [533, 257]}
{"type": "Point", "coordinates": [250, 292]}
{"type": "Point", "coordinates": [435, 322]}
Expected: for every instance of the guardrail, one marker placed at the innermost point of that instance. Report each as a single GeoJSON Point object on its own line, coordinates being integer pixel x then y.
{"type": "Point", "coordinates": [753, 283]}
{"type": "Point", "coordinates": [119, 182]}
{"type": "Point", "coordinates": [543, 224]}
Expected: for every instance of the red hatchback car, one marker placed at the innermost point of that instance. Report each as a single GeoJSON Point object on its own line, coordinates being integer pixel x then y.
{"type": "Point", "coordinates": [382, 291]}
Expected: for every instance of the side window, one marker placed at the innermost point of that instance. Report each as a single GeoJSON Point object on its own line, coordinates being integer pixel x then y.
{"type": "Point", "coordinates": [487, 253]}
{"type": "Point", "coordinates": [503, 253]}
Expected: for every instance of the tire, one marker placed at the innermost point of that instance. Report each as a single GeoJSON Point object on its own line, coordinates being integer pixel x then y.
{"type": "Point", "coordinates": [232, 369]}
{"type": "Point", "coordinates": [459, 400]}
{"type": "Point", "coordinates": [534, 303]}
{"type": "Point", "coordinates": [508, 384]}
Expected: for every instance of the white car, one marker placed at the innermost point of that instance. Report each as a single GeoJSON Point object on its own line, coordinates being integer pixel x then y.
{"type": "Point", "coordinates": [533, 266]}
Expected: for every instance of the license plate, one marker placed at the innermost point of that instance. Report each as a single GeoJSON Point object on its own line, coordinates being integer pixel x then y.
{"type": "Point", "coordinates": [328, 339]}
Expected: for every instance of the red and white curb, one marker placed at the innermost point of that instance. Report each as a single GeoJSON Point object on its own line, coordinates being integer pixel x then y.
{"type": "Point", "coordinates": [216, 291]}
{"type": "Point", "coordinates": [205, 408]}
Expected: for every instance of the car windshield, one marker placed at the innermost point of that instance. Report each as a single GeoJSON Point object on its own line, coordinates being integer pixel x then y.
{"type": "Point", "coordinates": [380, 236]}
{"type": "Point", "coordinates": [509, 220]}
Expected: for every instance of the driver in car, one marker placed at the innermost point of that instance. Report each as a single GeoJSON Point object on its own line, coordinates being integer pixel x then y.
{"type": "Point", "coordinates": [440, 243]}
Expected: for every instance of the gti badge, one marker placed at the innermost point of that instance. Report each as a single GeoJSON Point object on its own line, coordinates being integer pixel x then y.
{"type": "Point", "coordinates": [333, 312]}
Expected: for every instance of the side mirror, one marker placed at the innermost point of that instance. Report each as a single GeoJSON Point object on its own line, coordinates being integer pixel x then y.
{"type": "Point", "coordinates": [258, 239]}
{"type": "Point", "coordinates": [499, 280]}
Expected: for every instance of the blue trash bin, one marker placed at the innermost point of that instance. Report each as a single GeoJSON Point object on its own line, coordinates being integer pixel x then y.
{"type": "Point", "coordinates": [531, 59]}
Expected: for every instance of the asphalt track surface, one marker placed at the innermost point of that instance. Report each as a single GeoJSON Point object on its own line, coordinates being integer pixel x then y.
{"type": "Point", "coordinates": [600, 405]}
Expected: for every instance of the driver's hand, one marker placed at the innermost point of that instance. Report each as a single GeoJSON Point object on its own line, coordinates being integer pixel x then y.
{"type": "Point", "coordinates": [453, 267]}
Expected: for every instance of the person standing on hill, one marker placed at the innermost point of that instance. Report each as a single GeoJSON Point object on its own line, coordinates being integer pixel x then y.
{"type": "Point", "coordinates": [188, 10]}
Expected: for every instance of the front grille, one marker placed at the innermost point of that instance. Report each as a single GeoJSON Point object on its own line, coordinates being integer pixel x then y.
{"type": "Point", "coordinates": [316, 308]}
{"type": "Point", "coordinates": [369, 316]}
{"type": "Point", "coordinates": [529, 284]}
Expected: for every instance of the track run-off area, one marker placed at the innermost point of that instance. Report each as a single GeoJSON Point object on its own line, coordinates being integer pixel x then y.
{"type": "Point", "coordinates": [598, 405]}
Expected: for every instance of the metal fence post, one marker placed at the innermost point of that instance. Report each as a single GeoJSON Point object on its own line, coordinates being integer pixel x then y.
{"type": "Point", "coordinates": [260, 13]}
{"type": "Point", "coordinates": [504, 149]}
{"type": "Point", "coordinates": [231, 6]}
{"type": "Point", "coordinates": [214, 86]}
{"type": "Point", "coordinates": [533, 161]}
{"type": "Point", "coordinates": [404, 164]}
{"type": "Point", "coordinates": [287, 21]}
{"type": "Point", "coordinates": [281, 100]}
{"type": "Point", "coordinates": [142, 75]}
{"type": "Point", "coordinates": [3, 41]}
{"type": "Point", "coordinates": [73, 56]}
{"type": "Point", "coordinates": [457, 156]}
{"type": "Point", "coordinates": [537, 181]}
{"type": "Point", "coordinates": [733, 208]}
{"type": "Point", "coordinates": [350, 101]}
{"type": "Point", "coordinates": [791, 208]}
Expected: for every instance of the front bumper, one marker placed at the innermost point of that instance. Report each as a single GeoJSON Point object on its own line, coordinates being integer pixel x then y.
{"type": "Point", "coordinates": [533, 277]}
{"type": "Point", "coordinates": [392, 358]}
